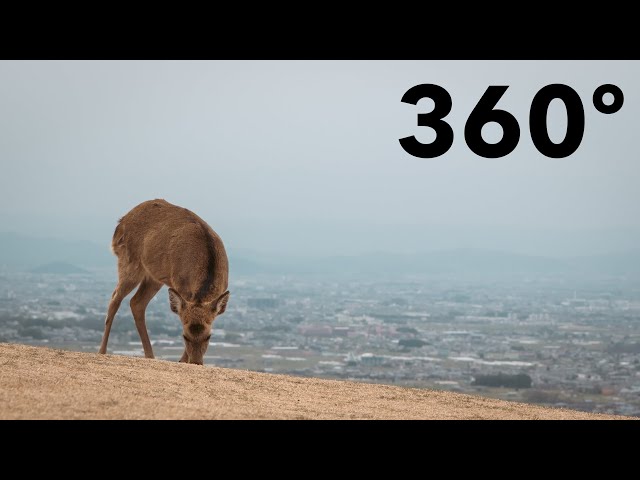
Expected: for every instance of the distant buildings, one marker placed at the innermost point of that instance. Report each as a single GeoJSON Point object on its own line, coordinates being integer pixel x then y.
{"type": "Point", "coordinates": [263, 303]}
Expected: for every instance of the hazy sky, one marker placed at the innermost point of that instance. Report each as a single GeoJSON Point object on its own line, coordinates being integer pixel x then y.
{"type": "Point", "coordinates": [304, 156]}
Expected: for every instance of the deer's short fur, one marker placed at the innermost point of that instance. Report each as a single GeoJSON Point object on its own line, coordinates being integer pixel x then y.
{"type": "Point", "coordinates": [157, 244]}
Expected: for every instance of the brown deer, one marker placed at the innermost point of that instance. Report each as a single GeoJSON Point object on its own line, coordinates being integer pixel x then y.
{"type": "Point", "coordinates": [157, 244]}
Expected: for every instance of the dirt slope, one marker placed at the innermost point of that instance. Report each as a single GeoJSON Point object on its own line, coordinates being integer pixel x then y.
{"type": "Point", "coordinates": [56, 384]}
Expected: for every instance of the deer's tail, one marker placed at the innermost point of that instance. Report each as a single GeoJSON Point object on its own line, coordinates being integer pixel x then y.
{"type": "Point", "coordinates": [117, 242]}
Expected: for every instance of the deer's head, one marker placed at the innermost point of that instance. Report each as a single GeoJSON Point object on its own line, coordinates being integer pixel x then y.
{"type": "Point", "coordinates": [197, 319]}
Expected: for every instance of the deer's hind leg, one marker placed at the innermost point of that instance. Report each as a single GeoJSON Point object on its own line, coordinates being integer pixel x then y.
{"type": "Point", "coordinates": [146, 291]}
{"type": "Point", "coordinates": [127, 281]}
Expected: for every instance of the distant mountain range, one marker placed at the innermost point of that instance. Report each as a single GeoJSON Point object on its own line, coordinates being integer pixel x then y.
{"type": "Point", "coordinates": [26, 253]}
{"type": "Point", "coordinates": [62, 268]}
{"type": "Point", "coordinates": [463, 261]}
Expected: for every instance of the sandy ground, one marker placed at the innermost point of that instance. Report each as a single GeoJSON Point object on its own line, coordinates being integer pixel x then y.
{"type": "Point", "coordinates": [39, 383]}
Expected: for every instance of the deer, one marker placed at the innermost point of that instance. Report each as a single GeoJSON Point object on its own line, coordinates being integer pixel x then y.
{"type": "Point", "coordinates": [158, 243]}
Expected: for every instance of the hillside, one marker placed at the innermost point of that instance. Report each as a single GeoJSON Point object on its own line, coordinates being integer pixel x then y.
{"type": "Point", "coordinates": [42, 383]}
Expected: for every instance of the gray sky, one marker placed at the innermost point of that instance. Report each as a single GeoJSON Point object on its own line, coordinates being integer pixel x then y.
{"type": "Point", "coordinates": [304, 156]}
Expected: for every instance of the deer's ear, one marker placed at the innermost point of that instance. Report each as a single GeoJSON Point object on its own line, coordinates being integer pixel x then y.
{"type": "Point", "coordinates": [175, 301]}
{"type": "Point", "coordinates": [220, 305]}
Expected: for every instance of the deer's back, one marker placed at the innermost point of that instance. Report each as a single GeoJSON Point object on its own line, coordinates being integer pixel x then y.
{"type": "Point", "coordinates": [174, 246]}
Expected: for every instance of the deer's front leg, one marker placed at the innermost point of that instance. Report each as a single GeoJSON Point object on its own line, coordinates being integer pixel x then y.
{"type": "Point", "coordinates": [185, 357]}
{"type": "Point", "coordinates": [146, 291]}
